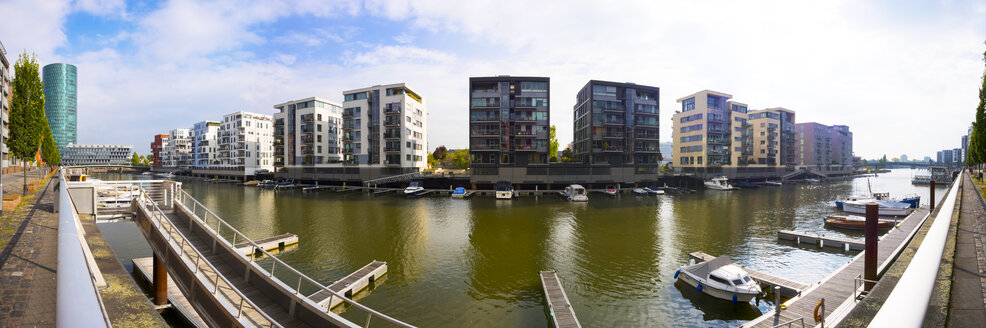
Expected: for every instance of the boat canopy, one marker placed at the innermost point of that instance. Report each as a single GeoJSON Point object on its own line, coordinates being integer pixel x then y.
{"type": "Point", "coordinates": [705, 268]}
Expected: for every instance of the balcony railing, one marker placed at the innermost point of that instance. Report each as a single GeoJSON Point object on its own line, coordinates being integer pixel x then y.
{"type": "Point", "coordinates": [485, 147]}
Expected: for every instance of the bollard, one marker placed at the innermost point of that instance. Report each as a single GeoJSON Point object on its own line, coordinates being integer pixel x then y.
{"type": "Point", "coordinates": [777, 300]}
{"type": "Point", "coordinates": [932, 194]}
{"type": "Point", "coordinates": [160, 276]}
{"type": "Point", "coordinates": [870, 257]}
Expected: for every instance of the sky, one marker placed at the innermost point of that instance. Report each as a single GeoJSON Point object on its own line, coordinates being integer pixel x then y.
{"type": "Point", "coordinates": [903, 75]}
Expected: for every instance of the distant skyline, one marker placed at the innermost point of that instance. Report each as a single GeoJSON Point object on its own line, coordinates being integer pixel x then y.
{"type": "Point", "coordinates": [903, 76]}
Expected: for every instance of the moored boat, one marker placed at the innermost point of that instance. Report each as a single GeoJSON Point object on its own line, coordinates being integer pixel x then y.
{"type": "Point", "coordinates": [576, 193]}
{"type": "Point", "coordinates": [746, 185]}
{"type": "Point", "coordinates": [887, 208]}
{"type": "Point", "coordinates": [720, 278]}
{"type": "Point", "coordinates": [854, 222]}
{"type": "Point", "coordinates": [459, 193]}
{"type": "Point", "coordinates": [640, 191]}
{"type": "Point", "coordinates": [611, 190]}
{"type": "Point", "coordinates": [719, 183]}
{"type": "Point", "coordinates": [414, 188]}
{"type": "Point", "coordinates": [772, 183]}
{"type": "Point", "coordinates": [504, 190]}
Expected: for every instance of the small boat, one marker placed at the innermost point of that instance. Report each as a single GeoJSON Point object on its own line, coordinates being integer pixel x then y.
{"type": "Point", "coordinates": [312, 188]}
{"type": "Point", "coordinates": [611, 190]}
{"type": "Point", "coordinates": [147, 173]}
{"type": "Point", "coordinates": [414, 188]}
{"type": "Point", "coordinates": [719, 183]}
{"type": "Point", "coordinates": [811, 180]}
{"type": "Point", "coordinates": [267, 184]}
{"type": "Point", "coordinates": [459, 193]}
{"type": "Point", "coordinates": [773, 183]}
{"type": "Point", "coordinates": [720, 278]}
{"type": "Point", "coordinates": [285, 184]}
{"type": "Point", "coordinates": [504, 190]}
{"type": "Point", "coordinates": [640, 191]}
{"type": "Point", "coordinates": [746, 185]}
{"type": "Point", "coordinates": [889, 208]}
{"type": "Point", "coordinates": [576, 193]}
{"type": "Point", "coordinates": [839, 202]}
{"type": "Point", "coordinates": [921, 179]}
{"type": "Point", "coordinates": [854, 222]}
{"type": "Point", "coordinates": [656, 190]}
{"type": "Point", "coordinates": [167, 175]}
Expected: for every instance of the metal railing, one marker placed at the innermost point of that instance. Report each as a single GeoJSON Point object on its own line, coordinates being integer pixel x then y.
{"type": "Point", "coordinates": [184, 198]}
{"type": "Point", "coordinates": [860, 282]}
{"type": "Point", "coordinates": [790, 323]}
{"type": "Point", "coordinates": [907, 304]}
{"type": "Point", "coordinates": [77, 299]}
{"type": "Point", "coordinates": [186, 251]}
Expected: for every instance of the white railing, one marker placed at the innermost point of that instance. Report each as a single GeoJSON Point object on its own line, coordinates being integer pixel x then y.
{"type": "Point", "coordinates": [233, 301]}
{"type": "Point", "coordinates": [77, 300]}
{"type": "Point", "coordinates": [194, 206]}
{"type": "Point", "coordinates": [908, 302]}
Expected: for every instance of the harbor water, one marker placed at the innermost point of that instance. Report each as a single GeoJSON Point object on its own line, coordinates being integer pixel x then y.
{"type": "Point", "coordinates": [475, 262]}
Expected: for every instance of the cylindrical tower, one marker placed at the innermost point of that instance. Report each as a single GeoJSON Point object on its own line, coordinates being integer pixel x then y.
{"type": "Point", "coordinates": [61, 102]}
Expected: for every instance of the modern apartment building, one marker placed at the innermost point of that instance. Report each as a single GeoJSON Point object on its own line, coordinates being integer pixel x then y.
{"type": "Point", "coordinates": [178, 149]}
{"type": "Point", "coordinates": [61, 102]}
{"type": "Point", "coordinates": [768, 136]}
{"type": "Point", "coordinates": [205, 143]}
{"type": "Point", "coordinates": [6, 97]}
{"type": "Point", "coordinates": [76, 154]}
{"type": "Point", "coordinates": [508, 121]}
{"type": "Point", "coordinates": [617, 124]}
{"type": "Point", "coordinates": [307, 132]}
{"type": "Point", "coordinates": [819, 144]}
{"type": "Point", "coordinates": [157, 149]}
{"type": "Point", "coordinates": [385, 126]}
{"type": "Point", "coordinates": [702, 130]}
{"type": "Point", "coordinates": [246, 142]}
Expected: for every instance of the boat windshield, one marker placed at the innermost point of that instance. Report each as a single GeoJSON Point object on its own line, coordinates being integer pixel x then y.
{"type": "Point", "coordinates": [737, 282]}
{"type": "Point", "coordinates": [746, 278]}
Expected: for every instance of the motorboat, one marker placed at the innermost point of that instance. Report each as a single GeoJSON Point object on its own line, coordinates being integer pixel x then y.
{"type": "Point", "coordinates": [459, 193]}
{"type": "Point", "coordinates": [576, 193]}
{"type": "Point", "coordinates": [655, 190]}
{"type": "Point", "coordinates": [611, 190]}
{"type": "Point", "coordinates": [855, 222]}
{"type": "Point", "coordinates": [414, 188]}
{"type": "Point", "coordinates": [640, 191]}
{"type": "Point", "coordinates": [719, 183]}
{"type": "Point", "coordinates": [921, 179]}
{"type": "Point", "coordinates": [720, 278]}
{"type": "Point", "coordinates": [773, 183]}
{"type": "Point", "coordinates": [267, 184]}
{"type": "Point", "coordinates": [285, 184]}
{"type": "Point", "coordinates": [886, 207]}
{"type": "Point", "coordinates": [166, 175]}
{"type": "Point", "coordinates": [746, 185]}
{"type": "Point", "coordinates": [855, 198]}
{"type": "Point", "coordinates": [812, 180]}
{"type": "Point", "coordinates": [913, 200]}
{"type": "Point", "coordinates": [504, 190]}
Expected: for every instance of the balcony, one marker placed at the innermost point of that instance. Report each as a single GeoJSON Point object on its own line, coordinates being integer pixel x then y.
{"type": "Point", "coordinates": [613, 135]}
{"type": "Point", "coordinates": [391, 122]}
{"type": "Point", "coordinates": [529, 134]}
{"type": "Point", "coordinates": [480, 133]}
{"type": "Point", "coordinates": [529, 148]}
{"type": "Point", "coordinates": [391, 135]}
{"type": "Point", "coordinates": [487, 147]}
{"type": "Point", "coordinates": [613, 122]}
{"type": "Point", "coordinates": [392, 109]}
{"type": "Point", "coordinates": [392, 149]}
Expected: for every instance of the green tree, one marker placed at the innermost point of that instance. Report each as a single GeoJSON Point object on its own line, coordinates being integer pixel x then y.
{"type": "Point", "coordinates": [459, 158]}
{"type": "Point", "coordinates": [552, 145]}
{"type": "Point", "coordinates": [977, 144]}
{"type": "Point", "coordinates": [49, 151]}
{"type": "Point", "coordinates": [135, 159]}
{"type": "Point", "coordinates": [27, 116]}
{"type": "Point", "coordinates": [440, 153]}
{"type": "Point", "coordinates": [432, 161]}
{"type": "Point", "coordinates": [568, 154]}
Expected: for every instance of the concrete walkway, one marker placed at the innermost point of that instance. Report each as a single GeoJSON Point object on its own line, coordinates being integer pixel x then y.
{"type": "Point", "coordinates": [28, 262]}
{"type": "Point", "coordinates": [13, 183]}
{"type": "Point", "coordinates": [968, 298]}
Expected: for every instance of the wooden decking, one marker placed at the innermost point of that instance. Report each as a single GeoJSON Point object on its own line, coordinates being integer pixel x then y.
{"type": "Point", "coordinates": [267, 243]}
{"type": "Point", "coordinates": [789, 288]}
{"type": "Point", "coordinates": [142, 266]}
{"type": "Point", "coordinates": [350, 285]}
{"type": "Point", "coordinates": [562, 315]}
{"type": "Point", "coordinates": [839, 287]}
{"type": "Point", "coordinates": [823, 241]}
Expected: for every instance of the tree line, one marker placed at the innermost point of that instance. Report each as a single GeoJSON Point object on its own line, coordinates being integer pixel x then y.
{"type": "Point", "coordinates": [976, 153]}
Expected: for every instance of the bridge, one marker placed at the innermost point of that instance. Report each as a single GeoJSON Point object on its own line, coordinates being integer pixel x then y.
{"type": "Point", "coordinates": [912, 165]}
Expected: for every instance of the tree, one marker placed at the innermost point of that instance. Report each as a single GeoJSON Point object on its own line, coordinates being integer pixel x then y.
{"type": "Point", "coordinates": [568, 154]}
{"type": "Point", "coordinates": [432, 161]}
{"type": "Point", "coordinates": [552, 144]}
{"type": "Point", "coordinates": [27, 116]}
{"type": "Point", "coordinates": [135, 159]}
{"type": "Point", "coordinates": [440, 153]}
{"type": "Point", "coordinates": [895, 159]}
{"type": "Point", "coordinates": [977, 142]}
{"type": "Point", "coordinates": [459, 158]}
{"type": "Point", "coordinates": [49, 150]}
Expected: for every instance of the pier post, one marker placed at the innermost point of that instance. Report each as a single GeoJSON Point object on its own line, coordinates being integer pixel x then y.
{"type": "Point", "coordinates": [160, 282]}
{"type": "Point", "coordinates": [870, 257]}
{"type": "Point", "coordinates": [932, 194]}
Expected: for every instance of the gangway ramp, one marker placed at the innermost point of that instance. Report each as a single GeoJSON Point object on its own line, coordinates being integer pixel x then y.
{"type": "Point", "coordinates": [562, 314]}
{"type": "Point", "coordinates": [351, 284]}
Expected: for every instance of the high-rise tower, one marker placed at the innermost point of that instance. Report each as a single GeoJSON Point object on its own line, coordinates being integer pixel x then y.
{"type": "Point", "coordinates": [61, 102]}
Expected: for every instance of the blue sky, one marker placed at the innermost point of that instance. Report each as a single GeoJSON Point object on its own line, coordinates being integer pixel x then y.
{"type": "Point", "coordinates": [903, 76]}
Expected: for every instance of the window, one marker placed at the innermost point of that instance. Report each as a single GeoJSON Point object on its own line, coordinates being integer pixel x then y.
{"type": "Point", "coordinates": [737, 282]}
{"type": "Point", "coordinates": [688, 104]}
{"type": "Point", "coordinates": [691, 149]}
{"type": "Point", "coordinates": [604, 90]}
{"type": "Point", "coordinates": [533, 86]}
{"type": "Point", "coordinates": [737, 108]}
{"type": "Point", "coordinates": [356, 96]}
{"type": "Point", "coordinates": [697, 137]}
{"type": "Point", "coordinates": [690, 128]}
{"type": "Point", "coordinates": [690, 118]}
{"type": "Point", "coordinates": [715, 102]}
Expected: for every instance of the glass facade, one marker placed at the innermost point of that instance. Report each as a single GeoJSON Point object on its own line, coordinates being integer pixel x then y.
{"type": "Point", "coordinates": [61, 102]}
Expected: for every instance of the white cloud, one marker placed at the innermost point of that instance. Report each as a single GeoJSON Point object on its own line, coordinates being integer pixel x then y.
{"type": "Point", "coordinates": [404, 38]}
{"type": "Point", "coordinates": [103, 7]}
{"type": "Point", "coordinates": [35, 26]}
{"type": "Point", "coordinates": [386, 55]}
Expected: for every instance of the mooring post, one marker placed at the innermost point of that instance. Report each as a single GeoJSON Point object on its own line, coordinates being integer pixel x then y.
{"type": "Point", "coordinates": [932, 194]}
{"type": "Point", "coordinates": [777, 300]}
{"type": "Point", "coordinates": [160, 281]}
{"type": "Point", "coordinates": [870, 257]}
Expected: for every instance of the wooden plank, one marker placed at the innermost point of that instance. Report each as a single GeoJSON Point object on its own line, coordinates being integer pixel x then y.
{"type": "Point", "coordinates": [350, 285]}
{"type": "Point", "coordinates": [267, 243]}
{"type": "Point", "coordinates": [142, 266]}
{"type": "Point", "coordinates": [827, 241]}
{"type": "Point", "coordinates": [562, 314]}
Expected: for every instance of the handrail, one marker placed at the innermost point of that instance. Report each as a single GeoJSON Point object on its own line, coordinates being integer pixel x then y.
{"type": "Point", "coordinates": [907, 304]}
{"type": "Point", "coordinates": [791, 322]}
{"type": "Point", "coordinates": [183, 195]}
{"type": "Point", "coordinates": [158, 219]}
{"type": "Point", "coordinates": [77, 299]}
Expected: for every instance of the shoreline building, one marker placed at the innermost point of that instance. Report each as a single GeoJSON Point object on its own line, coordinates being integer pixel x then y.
{"type": "Point", "coordinates": [385, 126]}
{"type": "Point", "coordinates": [6, 97]}
{"type": "Point", "coordinates": [205, 143]}
{"type": "Point", "coordinates": [307, 132]}
{"type": "Point", "coordinates": [178, 150]}
{"type": "Point", "coordinates": [819, 144]}
{"type": "Point", "coordinates": [617, 124]}
{"type": "Point", "coordinates": [771, 136]}
{"type": "Point", "coordinates": [61, 102]}
{"type": "Point", "coordinates": [84, 154]}
{"type": "Point", "coordinates": [157, 149]}
{"type": "Point", "coordinates": [246, 143]}
{"type": "Point", "coordinates": [509, 121]}
{"type": "Point", "coordinates": [701, 131]}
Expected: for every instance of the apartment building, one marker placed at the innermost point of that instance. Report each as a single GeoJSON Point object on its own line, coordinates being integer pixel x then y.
{"type": "Point", "coordinates": [157, 149]}
{"type": "Point", "coordinates": [819, 144]}
{"type": "Point", "coordinates": [771, 138]}
{"type": "Point", "coordinates": [307, 132]}
{"type": "Point", "coordinates": [385, 126]}
{"type": "Point", "coordinates": [6, 97]}
{"type": "Point", "coordinates": [246, 142]}
{"type": "Point", "coordinates": [508, 121]}
{"type": "Point", "coordinates": [702, 130]}
{"type": "Point", "coordinates": [206, 143]}
{"type": "Point", "coordinates": [178, 150]}
{"type": "Point", "coordinates": [617, 124]}
{"type": "Point", "coordinates": [76, 154]}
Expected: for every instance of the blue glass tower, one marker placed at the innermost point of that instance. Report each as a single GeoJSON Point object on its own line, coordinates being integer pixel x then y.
{"type": "Point", "coordinates": [61, 102]}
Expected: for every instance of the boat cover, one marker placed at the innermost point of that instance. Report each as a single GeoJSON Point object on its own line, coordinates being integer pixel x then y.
{"type": "Point", "coordinates": [703, 269]}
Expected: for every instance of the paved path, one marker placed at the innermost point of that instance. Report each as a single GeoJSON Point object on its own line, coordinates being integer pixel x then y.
{"type": "Point", "coordinates": [27, 263]}
{"type": "Point", "coordinates": [13, 183]}
{"type": "Point", "coordinates": [968, 299]}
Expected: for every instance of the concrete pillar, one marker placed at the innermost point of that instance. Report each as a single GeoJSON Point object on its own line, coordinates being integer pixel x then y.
{"type": "Point", "coordinates": [160, 281]}
{"type": "Point", "coordinates": [870, 255]}
{"type": "Point", "coordinates": [932, 194]}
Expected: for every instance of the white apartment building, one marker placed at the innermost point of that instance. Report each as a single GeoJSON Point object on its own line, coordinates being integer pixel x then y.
{"type": "Point", "coordinates": [385, 126]}
{"type": "Point", "coordinates": [307, 132]}
{"type": "Point", "coordinates": [246, 142]}
{"type": "Point", "coordinates": [206, 143]}
{"type": "Point", "coordinates": [178, 150]}
{"type": "Point", "coordinates": [77, 154]}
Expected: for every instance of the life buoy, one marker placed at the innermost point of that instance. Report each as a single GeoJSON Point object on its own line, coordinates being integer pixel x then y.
{"type": "Point", "coordinates": [699, 287]}
{"type": "Point", "coordinates": [676, 273]}
{"type": "Point", "coordinates": [818, 316]}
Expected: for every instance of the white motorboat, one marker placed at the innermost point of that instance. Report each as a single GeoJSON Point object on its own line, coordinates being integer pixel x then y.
{"type": "Point", "coordinates": [576, 193]}
{"type": "Point", "coordinates": [285, 184]}
{"type": "Point", "coordinates": [504, 190]}
{"type": "Point", "coordinates": [772, 183]}
{"type": "Point", "coordinates": [655, 190]}
{"type": "Point", "coordinates": [611, 190]}
{"type": "Point", "coordinates": [720, 278]}
{"type": "Point", "coordinates": [166, 175]}
{"type": "Point", "coordinates": [719, 183]}
{"type": "Point", "coordinates": [640, 191]}
{"type": "Point", "coordinates": [414, 188]}
{"type": "Point", "coordinates": [888, 208]}
{"type": "Point", "coordinates": [811, 180]}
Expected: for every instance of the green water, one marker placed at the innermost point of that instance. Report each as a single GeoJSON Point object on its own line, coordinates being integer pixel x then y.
{"type": "Point", "coordinates": [474, 263]}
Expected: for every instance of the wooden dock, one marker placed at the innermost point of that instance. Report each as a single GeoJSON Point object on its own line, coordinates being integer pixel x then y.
{"type": "Point", "coordinates": [142, 267]}
{"type": "Point", "coordinates": [821, 240]}
{"type": "Point", "coordinates": [377, 192]}
{"type": "Point", "coordinates": [562, 315]}
{"type": "Point", "coordinates": [350, 285]}
{"type": "Point", "coordinates": [267, 244]}
{"type": "Point", "coordinates": [789, 288]}
{"type": "Point", "coordinates": [839, 288]}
